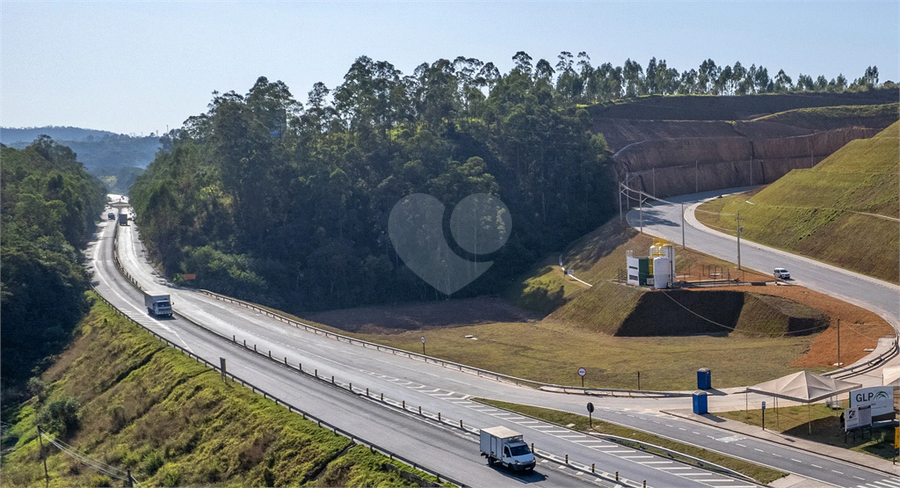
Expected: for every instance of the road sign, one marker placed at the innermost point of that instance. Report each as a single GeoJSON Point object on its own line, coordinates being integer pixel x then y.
{"type": "Point", "coordinates": [423, 339]}
{"type": "Point", "coordinates": [590, 407]}
{"type": "Point", "coordinates": [764, 405]}
{"type": "Point", "coordinates": [581, 372]}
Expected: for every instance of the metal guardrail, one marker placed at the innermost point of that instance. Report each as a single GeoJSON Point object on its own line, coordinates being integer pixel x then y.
{"type": "Point", "coordinates": [869, 365]}
{"type": "Point", "coordinates": [291, 408]}
{"type": "Point", "coordinates": [444, 363]}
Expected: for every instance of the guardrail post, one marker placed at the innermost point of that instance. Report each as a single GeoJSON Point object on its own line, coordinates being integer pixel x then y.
{"type": "Point", "coordinates": [404, 404]}
{"type": "Point", "coordinates": [645, 483]}
{"type": "Point", "coordinates": [382, 397]}
{"type": "Point", "coordinates": [592, 467]}
{"type": "Point", "coordinates": [350, 387]}
{"type": "Point", "coordinates": [367, 392]}
{"type": "Point", "coordinates": [420, 409]}
{"type": "Point", "coordinates": [439, 416]}
{"type": "Point", "coordinates": [617, 476]}
{"type": "Point", "coordinates": [233, 338]}
{"type": "Point", "coordinates": [270, 354]}
{"type": "Point", "coordinates": [245, 342]}
{"type": "Point", "coordinates": [254, 347]}
{"type": "Point", "coordinates": [332, 379]}
{"type": "Point", "coordinates": [317, 372]}
{"type": "Point", "coordinates": [285, 361]}
{"type": "Point", "coordinates": [460, 424]}
{"type": "Point", "coordinates": [567, 459]}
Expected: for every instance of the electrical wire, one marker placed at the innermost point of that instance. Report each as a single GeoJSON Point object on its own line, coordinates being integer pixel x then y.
{"type": "Point", "coordinates": [86, 460]}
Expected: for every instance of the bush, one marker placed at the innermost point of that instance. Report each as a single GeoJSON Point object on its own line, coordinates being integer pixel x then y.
{"type": "Point", "coordinates": [152, 463]}
{"type": "Point", "coordinates": [61, 417]}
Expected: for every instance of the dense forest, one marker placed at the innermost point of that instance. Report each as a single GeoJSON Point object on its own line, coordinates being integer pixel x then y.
{"type": "Point", "coordinates": [50, 206]}
{"type": "Point", "coordinates": [287, 203]}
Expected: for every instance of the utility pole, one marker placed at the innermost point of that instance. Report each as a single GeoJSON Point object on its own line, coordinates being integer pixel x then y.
{"type": "Point", "coordinates": [839, 343]}
{"type": "Point", "coordinates": [739, 229]}
{"type": "Point", "coordinates": [682, 226]}
{"type": "Point", "coordinates": [43, 456]}
{"type": "Point", "coordinates": [641, 210]}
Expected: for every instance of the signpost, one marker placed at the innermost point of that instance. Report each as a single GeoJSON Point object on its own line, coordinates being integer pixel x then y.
{"type": "Point", "coordinates": [582, 372]}
{"type": "Point", "coordinates": [590, 407]}
{"type": "Point", "coordinates": [423, 345]}
{"type": "Point", "coordinates": [764, 415]}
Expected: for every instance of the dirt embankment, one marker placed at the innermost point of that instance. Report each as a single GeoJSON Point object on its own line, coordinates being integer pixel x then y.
{"type": "Point", "coordinates": [676, 145]}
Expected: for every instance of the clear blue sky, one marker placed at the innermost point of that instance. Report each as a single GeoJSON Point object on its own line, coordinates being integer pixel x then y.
{"type": "Point", "coordinates": [137, 67]}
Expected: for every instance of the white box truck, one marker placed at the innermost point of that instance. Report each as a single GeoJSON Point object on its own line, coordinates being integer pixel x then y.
{"type": "Point", "coordinates": [506, 446]}
{"type": "Point", "coordinates": [158, 303]}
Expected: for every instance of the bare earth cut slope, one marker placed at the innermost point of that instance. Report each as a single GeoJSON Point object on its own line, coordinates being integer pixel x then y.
{"type": "Point", "coordinates": [684, 144]}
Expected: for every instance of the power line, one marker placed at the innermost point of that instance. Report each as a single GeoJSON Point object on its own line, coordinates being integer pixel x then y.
{"type": "Point", "coordinates": [84, 459]}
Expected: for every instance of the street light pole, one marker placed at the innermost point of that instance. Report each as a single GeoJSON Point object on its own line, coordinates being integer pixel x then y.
{"type": "Point", "coordinates": [682, 225]}
{"type": "Point", "coordinates": [739, 229]}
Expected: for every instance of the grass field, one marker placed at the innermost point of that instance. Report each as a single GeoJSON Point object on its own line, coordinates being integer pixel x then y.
{"type": "Point", "coordinates": [843, 211]}
{"type": "Point", "coordinates": [582, 423]}
{"type": "Point", "coordinates": [174, 422]}
{"type": "Point", "coordinates": [551, 349]}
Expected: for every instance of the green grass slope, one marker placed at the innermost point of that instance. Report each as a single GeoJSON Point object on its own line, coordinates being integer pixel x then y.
{"type": "Point", "coordinates": [823, 117]}
{"type": "Point", "coordinates": [842, 211]}
{"type": "Point", "coordinates": [173, 422]}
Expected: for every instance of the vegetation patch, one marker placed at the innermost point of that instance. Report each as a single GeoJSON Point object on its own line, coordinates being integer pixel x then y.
{"type": "Point", "coordinates": [134, 404]}
{"type": "Point", "coordinates": [581, 423]}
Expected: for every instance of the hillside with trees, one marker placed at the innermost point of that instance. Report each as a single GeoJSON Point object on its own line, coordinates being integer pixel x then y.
{"type": "Point", "coordinates": [50, 205]}
{"type": "Point", "coordinates": [286, 203]}
{"type": "Point", "coordinates": [116, 159]}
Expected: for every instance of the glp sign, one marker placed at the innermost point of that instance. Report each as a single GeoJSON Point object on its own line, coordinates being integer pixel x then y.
{"type": "Point", "coordinates": [880, 398]}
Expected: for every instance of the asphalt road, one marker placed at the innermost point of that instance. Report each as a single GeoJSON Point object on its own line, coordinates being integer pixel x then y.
{"type": "Point", "coordinates": [439, 389]}
{"type": "Point", "coordinates": [664, 220]}
{"type": "Point", "coordinates": [433, 445]}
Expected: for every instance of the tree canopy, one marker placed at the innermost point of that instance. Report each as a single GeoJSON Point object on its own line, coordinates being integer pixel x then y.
{"type": "Point", "coordinates": [50, 205]}
{"type": "Point", "coordinates": [285, 202]}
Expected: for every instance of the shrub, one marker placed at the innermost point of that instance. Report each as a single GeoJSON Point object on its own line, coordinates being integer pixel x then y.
{"type": "Point", "coordinates": [61, 416]}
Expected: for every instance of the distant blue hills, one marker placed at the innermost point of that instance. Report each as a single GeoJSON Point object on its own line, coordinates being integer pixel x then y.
{"type": "Point", "coordinates": [114, 158]}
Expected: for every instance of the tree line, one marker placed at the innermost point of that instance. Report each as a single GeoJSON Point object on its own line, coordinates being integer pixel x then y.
{"type": "Point", "coordinates": [50, 206]}
{"type": "Point", "coordinates": [268, 199]}
{"type": "Point", "coordinates": [284, 202]}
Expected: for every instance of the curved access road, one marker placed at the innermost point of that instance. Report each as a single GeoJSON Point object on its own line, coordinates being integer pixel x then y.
{"type": "Point", "coordinates": [664, 219]}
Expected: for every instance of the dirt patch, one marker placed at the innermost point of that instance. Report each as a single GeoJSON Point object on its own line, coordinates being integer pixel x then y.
{"type": "Point", "coordinates": [860, 328]}
{"type": "Point", "coordinates": [393, 319]}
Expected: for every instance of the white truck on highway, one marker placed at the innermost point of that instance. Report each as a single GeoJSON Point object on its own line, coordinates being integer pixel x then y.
{"type": "Point", "coordinates": [506, 446]}
{"type": "Point", "coordinates": [158, 303]}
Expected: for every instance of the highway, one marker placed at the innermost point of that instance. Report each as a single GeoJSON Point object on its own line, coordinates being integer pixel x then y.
{"type": "Point", "coordinates": [434, 445]}
{"type": "Point", "coordinates": [439, 389]}
{"type": "Point", "coordinates": [400, 379]}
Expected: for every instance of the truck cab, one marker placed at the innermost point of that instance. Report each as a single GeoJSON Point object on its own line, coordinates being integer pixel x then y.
{"type": "Point", "coordinates": [508, 447]}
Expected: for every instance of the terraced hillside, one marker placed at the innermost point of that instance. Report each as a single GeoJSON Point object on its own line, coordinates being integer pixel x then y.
{"type": "Point", "coordinates": [684, 144]}
{"type": "Point", "coordinates": [843, 211]}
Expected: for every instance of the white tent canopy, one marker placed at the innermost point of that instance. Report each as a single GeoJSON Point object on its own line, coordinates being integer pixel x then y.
{"type": "Point", "coordinates": [804, 387]}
